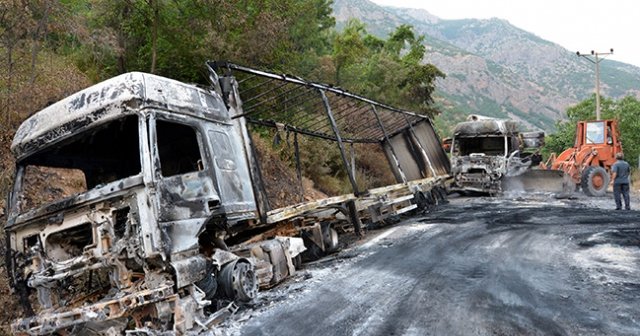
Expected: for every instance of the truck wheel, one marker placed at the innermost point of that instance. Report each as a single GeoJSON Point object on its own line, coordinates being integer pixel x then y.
{"type": "Point", "coordinates": [330, 238]}
{"type": "Point", "coordinates": [330, 244]}
{"type": "Point", "coordinates": [238, 281]}
{"type": "Point", "coordinates": [594, 181]}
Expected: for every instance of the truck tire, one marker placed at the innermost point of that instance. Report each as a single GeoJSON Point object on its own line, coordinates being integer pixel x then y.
{"type": "Point", "coordinates": [330, 238]}
{"type": "Point", "coordinates": [594, 181]}
{"type": "Point", "coordinates": [331, 244]}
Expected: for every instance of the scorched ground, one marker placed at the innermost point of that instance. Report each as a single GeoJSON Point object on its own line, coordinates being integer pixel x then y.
{"type": "Point", "coordinates": [483, 266]}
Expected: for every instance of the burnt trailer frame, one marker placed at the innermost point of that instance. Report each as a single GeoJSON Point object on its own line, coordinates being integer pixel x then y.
{"type": "Point", "coordinates": [408, 139]}
{"type": "Point", "coordinates": [163, 241]}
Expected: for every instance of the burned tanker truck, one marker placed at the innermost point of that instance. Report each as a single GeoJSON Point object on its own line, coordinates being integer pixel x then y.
{"type": "Point", "coordinates": [170, 226]}
{"type": "Point", "coordinates": [486, 152]}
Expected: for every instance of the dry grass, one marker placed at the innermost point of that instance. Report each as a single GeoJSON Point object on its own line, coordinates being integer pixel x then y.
{"type": "Point", "coordinates": [55, 79]}
{"type": "Point", "coordinates": [280, 178]}
{"type": "Point", "coordinates": [6, 175]}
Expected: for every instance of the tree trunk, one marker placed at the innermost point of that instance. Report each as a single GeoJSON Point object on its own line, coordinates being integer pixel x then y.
{"type": "Point", "coordinates": [42, 24]}
{"type": "Point", "coordinates": [9, 82]}
{"type": "Point", "coordinates": [122, 43]}
{"type": "Point", "coordinates": [154, 37]}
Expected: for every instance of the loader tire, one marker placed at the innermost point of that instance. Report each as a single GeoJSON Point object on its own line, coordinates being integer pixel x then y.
{"type": "Point", "coordinates": [594, 181]}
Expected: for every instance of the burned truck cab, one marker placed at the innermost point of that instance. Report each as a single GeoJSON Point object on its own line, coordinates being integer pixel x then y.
{"type": "Point", "coordinates": [121, 194]}
{"type": "Point", "coordinates": [485, 150]}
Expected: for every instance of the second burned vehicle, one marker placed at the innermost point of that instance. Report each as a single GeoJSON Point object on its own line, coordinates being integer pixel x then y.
{"type": "Point", "coordinates": [484, 151]}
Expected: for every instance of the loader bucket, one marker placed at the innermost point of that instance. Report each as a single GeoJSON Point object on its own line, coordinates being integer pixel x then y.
{"type": "Point", "coordinates": [540, 180]}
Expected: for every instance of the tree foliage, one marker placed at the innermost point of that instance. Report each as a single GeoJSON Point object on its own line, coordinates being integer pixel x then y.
{"type": "Point", "coordinates": [24, 27]}
{"type": "Point", "coordinates": [173, 38]}
{"type": "Point", "coordinates": [625, 110]}
{"type": "Point", "coordinates": [391, 70]}
{"type": "Point", "coordinates": [49, 48]}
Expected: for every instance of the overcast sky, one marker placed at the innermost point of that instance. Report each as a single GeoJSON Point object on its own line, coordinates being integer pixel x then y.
{"type": "Point", "coordinates": [578, 25]}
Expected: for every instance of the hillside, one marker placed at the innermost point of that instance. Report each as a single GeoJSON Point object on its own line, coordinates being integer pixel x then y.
{"type": "Point", "coordinates": [494, 68]}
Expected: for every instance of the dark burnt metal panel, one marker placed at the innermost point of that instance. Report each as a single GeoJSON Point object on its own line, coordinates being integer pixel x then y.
{"type": "Point", "coordinates": [419, 151]}
{"type": "Point", "coordinates": [14, 196]}
{"type": "Point", "coordinates": [429, 171]}
{"type": "Point", "coordinates": [296, 148]}
{"type": "Point", "coordinates": [432, 144]}
{"type": "Point", "coordinates": [251, 155]}
{"type": "Point", "coordinates": [407, 157]}
{"type": "Point", "coordinates": [395, 169]}
{"type": "Point", "coordinates": [259, 189]}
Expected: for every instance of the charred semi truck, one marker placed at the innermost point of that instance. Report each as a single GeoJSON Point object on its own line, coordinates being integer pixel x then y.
{"type": "Point", "coordinates": [486, 151]}
{"type": "Point", "coordinates": [172, 226]}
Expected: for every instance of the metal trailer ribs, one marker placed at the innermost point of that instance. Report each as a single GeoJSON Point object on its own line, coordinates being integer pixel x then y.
{"type": "Point", "coordinates": [295, 105]}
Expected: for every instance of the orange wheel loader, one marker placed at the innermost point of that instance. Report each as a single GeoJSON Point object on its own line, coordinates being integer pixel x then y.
{"type": "Point", "coordinates": [588, 163]}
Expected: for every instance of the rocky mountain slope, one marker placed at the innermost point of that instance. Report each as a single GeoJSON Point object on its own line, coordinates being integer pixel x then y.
{"type": "Point", "coordinates": [494, 68]}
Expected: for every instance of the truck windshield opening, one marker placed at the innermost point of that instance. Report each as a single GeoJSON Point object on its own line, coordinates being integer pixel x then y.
{"type": "Point", "coordinates": [101, 155]}
{"type": "Point", "coordinates": [484, 145]}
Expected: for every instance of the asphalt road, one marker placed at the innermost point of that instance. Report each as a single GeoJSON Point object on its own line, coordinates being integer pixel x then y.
{"type": "Point", "coordinates": [474, 267]}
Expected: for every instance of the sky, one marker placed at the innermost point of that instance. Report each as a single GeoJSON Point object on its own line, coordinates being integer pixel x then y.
{"type": "Point", "coordinates": [576, 25]}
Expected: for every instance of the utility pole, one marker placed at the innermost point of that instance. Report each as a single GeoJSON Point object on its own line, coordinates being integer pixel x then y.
{"type": "Point", "coordinates": [596, 60]}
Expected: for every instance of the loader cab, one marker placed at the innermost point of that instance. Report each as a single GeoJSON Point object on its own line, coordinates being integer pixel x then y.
{"type": "Point", "coordinates": [599, 135]}
{"type": "Point", "coordinates": [595, 132]}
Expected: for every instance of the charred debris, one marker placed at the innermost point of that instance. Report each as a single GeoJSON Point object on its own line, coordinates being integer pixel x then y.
{"type": "Point", "coordinates": [489, 154]}
{"type": "Point", "coordinates": [170, 228]}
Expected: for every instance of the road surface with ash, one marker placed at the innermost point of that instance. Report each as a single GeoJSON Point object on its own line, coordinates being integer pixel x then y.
{"type": "Point", "coordinates": [535, 266]}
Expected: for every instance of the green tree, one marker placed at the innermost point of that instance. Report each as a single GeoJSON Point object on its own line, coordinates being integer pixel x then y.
{"type": "Point", "coordinates": [626, 111]}
{"type": "Point", "coordinates": [349, 47]}
{"type": "Point", "coordinates": [174, 37]}
{"type": "Point", "coordinates": [391, 70]}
